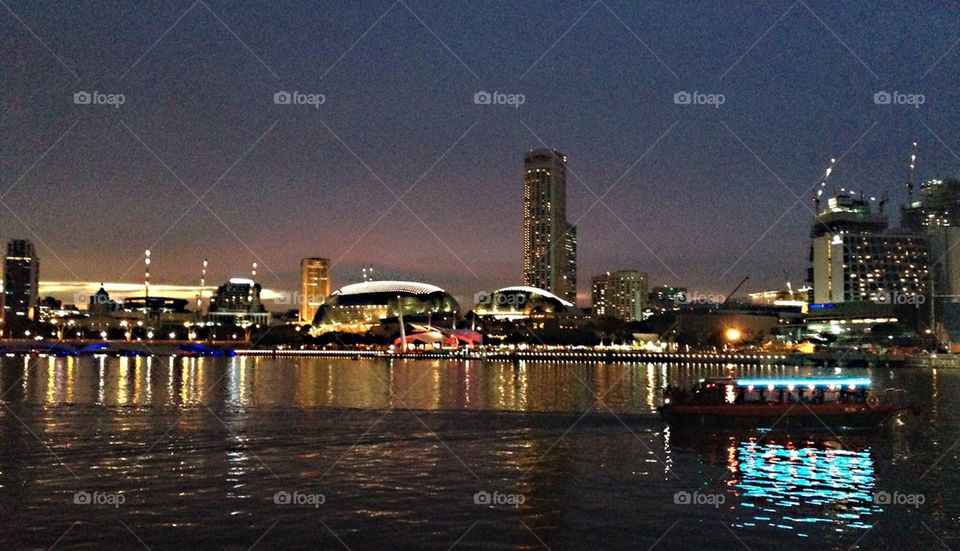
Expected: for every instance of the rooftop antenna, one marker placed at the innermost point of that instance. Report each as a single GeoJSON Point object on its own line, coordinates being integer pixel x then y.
{"type": "Point", "coordinates": [253, 278]}
{"type": "Point", "coordinates": [203, 282]}
{"type": "Point", "coordinates": [146, 273]}
{"type": "Point", "coordinates": [823, 184]}
{"type": "Point", "coordinates": [913, 164]}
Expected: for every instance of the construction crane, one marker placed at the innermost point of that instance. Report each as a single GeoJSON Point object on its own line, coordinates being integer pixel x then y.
{"type": "Point", "coordinates": [823, 185]}
{"type": "Point", "coordinates": [735, 289]}
{"type": "Point", "coordinates": [883, 201]}
{"type": "Point", "coordinates": [913, 164]}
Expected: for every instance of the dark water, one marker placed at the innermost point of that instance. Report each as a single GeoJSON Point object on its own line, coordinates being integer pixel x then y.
{"type": "Point", "coordinates": [181, 453]}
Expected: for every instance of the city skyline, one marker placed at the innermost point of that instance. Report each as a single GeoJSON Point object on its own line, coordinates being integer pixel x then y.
{"type": "Point", "coordinates": [325, 179]}
{"type": "Point", "coordinates": [417, 274]}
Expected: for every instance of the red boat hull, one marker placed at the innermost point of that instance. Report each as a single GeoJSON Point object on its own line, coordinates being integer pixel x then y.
{"type": "Point", "coordinates": [814, 416]}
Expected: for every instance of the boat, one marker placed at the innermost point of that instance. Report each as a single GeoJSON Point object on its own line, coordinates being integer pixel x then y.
{"type": "Point", "coordinates": [808, 403]}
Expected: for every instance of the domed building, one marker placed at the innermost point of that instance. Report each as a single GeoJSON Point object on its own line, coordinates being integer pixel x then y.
{"type": "Point", "coordinates": [361, 306]}
{"type": "Point", "coordinates": [520, 302]}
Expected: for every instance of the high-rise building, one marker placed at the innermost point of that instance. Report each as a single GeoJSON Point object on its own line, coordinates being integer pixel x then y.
{"type": "Point", "coordinates": [939, 205]}
{"type": "Point", "coordinates": [855, 258]}
{"type": "Point", "coordinates": [549, 241]}
{"type": "Point", "coordinates": [621, 294]}
{"type": "Point", "coordinates": [21, 284]}
{"type": "Point", "coordinates": [237, 302]}
{"type": "Point", "coordinates": [937, 216]}
{"type": "Point", "coordinates": [314, 286]}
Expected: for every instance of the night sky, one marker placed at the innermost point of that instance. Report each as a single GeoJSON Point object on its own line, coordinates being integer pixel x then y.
{"type": "Point", "coordinates": [692, 194]}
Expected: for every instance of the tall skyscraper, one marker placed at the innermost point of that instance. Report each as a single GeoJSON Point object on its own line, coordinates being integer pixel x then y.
{"type": "Point", "coordinates": [937, 216]}
{"type": "Point", "coordinates": [549, 241]}
{"type": "Point", "coordinates": [21, 284]}
{"type": "Point", "coordinates": [938, 206]}
{"type": "Point", "coordinates": [314, 286]}
{"type": "Point", "coordinates": [621, 294]}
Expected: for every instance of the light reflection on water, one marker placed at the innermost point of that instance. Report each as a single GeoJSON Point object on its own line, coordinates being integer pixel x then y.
{"type": "Point", "coordinates": [180, 434]}
{"type": "Point", "coordinates": [378, 384]}
{"type": "Point", "coordinates": [792, 485]}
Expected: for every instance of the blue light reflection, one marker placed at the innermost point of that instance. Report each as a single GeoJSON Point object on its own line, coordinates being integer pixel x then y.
{"type": "Point", "coordinates": [798, 486]}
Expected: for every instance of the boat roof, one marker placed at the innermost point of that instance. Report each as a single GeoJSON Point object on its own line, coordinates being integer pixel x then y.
{"type": "Point", "coordinates": [806, 381]}
{"type": "Point", "coordinates": [719, 380]}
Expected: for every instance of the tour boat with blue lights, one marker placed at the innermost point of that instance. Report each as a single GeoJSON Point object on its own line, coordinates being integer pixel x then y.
{"type": "Point", "coordinates": [811, 403]}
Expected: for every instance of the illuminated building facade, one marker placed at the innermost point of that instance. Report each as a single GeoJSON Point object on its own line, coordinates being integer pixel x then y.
{"type": "Point", "coordinates": [237, 302]}
{"type": "Point", "coordinates": [521, 302]}
{"type": "Point", "coordinates": [621, 295]}
{"type": "Point", "coordinates": [937, 215]}
{"type": "Point", "coordinates": [855, 258]}
{"type": "Point", "coordinates": [21, 284]}
{"type": "Point", "coordinates": [314, 286]}
{"type": "Point", "coordinates": [939, 206]}
{"type": "Point", "coordinates": [667, 298]}
{"type": "Point", "coordinates": [549, 241]}
{"type": "Point", "coordinates": [361, 306]}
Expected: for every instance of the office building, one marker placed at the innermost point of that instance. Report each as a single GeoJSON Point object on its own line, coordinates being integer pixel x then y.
{"type": "Point", "coordinates": [237, 302]}
{"type": "Point", "coordinates": [549, 241]}
{"type": "Point", "coordinates": [855, 258]}
{"type": "Point", "coordinates": [21, 284]}
{"type": "Point", "coordinates": [620, 295]}
{"type": "Point", "coordinates": [936, 214]}
{"type": "Point", "coordinates": [314, 286]}
{"type": "Point", "coordinates": [937, 206]}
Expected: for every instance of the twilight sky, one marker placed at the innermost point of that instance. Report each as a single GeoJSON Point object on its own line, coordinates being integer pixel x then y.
{"type": "Point", "coordinates": [400, 169]}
